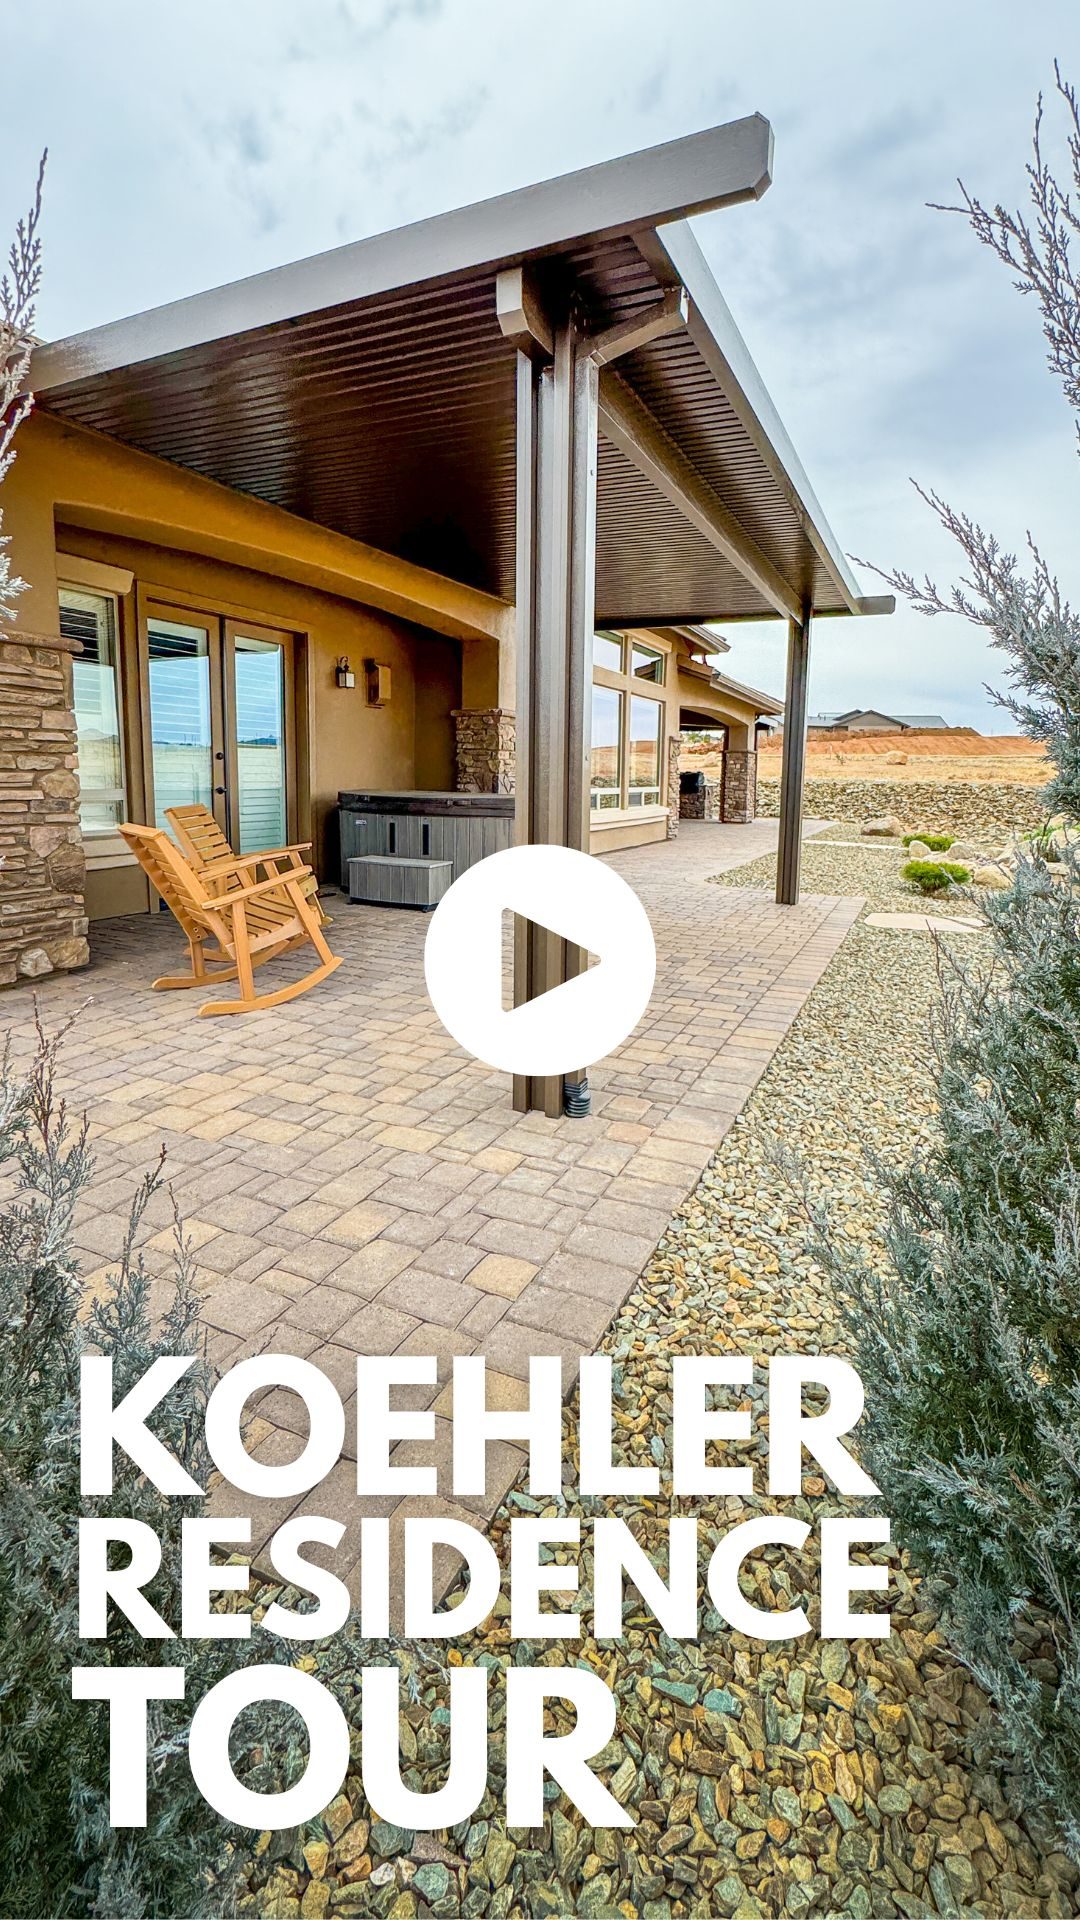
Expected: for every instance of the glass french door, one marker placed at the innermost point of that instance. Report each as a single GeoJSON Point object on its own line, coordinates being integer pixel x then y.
{"type": "Point", "coordinates": [256, 707]}
{"type": "Point", "coordinates": [220, 694]}
{"type": "Point", "coordinates": [186, 717]}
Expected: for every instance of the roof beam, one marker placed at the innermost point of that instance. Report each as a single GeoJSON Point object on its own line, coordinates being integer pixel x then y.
{"type": "Point", "coordinates": [520, 311]}
{"type": "Point", "coordinates": [525, 324]}
{"type": "Point", "coordinates": [866, 604]}
{"type": "Point", "coordinates": [669, 314]}
{"type": "Point", "coordinates": [676, 255]}
{"type": "Point", "coordinates": [628, 424]}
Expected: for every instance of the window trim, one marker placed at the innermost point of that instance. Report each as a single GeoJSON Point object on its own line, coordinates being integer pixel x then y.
{"type": "Point", "coordinates": [599, 807]}
{"type": "Point", "coordinates": [658, 653]}
{"type": "Point", "coordinates": [104, 848]}
{"type": "Point", "coordinates": [631, 687]}
{"type": "Point", "coordinates": [637, 807]}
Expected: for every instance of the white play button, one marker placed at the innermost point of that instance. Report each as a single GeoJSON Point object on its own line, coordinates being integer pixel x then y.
{"type": "Point", "coordinates": [573, 895]}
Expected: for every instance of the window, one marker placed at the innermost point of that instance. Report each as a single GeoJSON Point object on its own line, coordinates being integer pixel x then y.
{"type": "Point", "coordinates": [607, 651]}
{"type": "Point", "coordinates": [646, 734]}
{"type": "Point", "coordinates": [646, 663]}
{"type": "Point", "coordinates": [605, 759]}
{"type": "Point", "coordinates": [629, 724]}
{"type": "Point", "coordinates": [90, 618]}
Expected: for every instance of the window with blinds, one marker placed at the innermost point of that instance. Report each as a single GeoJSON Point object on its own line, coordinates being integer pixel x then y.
{"type": "Point", "coordinates": [90, 618]}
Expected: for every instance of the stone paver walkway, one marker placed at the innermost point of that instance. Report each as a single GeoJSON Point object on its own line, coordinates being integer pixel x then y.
{"type": "Point", "coordinates": [354, 1183]}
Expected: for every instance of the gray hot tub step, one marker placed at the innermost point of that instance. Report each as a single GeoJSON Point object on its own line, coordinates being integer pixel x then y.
{"type": "Point", "coordinates": [390, 880]}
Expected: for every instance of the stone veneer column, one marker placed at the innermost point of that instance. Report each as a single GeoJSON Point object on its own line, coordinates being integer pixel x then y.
{"type": "Point", "coordinates": [484, 749]}
{"type": "Point", "coordinates": [673, 756]}
{"type": "Point", "coordinates": [738, 804]}
{"type": "Point", "coordinates": [42, 867]}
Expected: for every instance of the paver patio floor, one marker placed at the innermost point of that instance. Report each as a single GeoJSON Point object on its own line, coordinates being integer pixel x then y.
{"type": "Point", "coordinates": [354, 1183]}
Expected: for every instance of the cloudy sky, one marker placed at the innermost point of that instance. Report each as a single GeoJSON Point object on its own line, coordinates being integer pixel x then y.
{"type": "Point", "coordinates": [191, 145]}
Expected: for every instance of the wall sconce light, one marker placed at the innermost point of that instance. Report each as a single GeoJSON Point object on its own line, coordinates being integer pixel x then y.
{"type": "Point", "coordinates": [344, 674]}
{"type": "Point", "coordinates": [377, 683]}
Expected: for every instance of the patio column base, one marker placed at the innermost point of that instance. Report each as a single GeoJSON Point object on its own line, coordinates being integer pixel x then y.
{"type": "Point", "coordinates": [739, 803]}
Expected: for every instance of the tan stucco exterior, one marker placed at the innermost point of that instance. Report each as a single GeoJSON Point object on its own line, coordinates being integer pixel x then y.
{"type": "Point", "coordinates": [87, 480]}
{"type": "Point", "coordinates": [718, 708]}
{"type": "Point", "coordinates": [85, 511]}
{"type": "Point", "coordinates": [74, 496]}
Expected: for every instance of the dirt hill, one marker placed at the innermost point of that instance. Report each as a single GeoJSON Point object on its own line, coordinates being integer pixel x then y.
{"type": "Point", "coordinates": [949, 754]}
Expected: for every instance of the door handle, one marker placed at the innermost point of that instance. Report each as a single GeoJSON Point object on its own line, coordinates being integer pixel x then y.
{"type": "Point", "coordinates": [219, 789]}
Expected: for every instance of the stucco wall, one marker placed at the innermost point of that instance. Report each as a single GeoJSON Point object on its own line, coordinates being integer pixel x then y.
{"type": "Point", "coordinates": [189, 541]}
{"type": "Point", "coordinates": [407, 743]}
{"type": "Point", "coordinates": [628, 833]}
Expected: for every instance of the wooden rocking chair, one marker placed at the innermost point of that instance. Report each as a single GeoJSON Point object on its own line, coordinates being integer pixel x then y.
{"type": "Point", "coordinates": [247, 923]}
{"type": "Point", "coordinates": [210, 853]}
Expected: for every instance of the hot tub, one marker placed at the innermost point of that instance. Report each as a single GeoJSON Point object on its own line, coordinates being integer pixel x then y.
{"type": "Point", "coordinates": [460, 827]}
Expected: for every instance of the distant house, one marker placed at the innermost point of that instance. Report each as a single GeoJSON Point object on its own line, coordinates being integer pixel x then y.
{"type": "Point", "coordinates": [869, 720]}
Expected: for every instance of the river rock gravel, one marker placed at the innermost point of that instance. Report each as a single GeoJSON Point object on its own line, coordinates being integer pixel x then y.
{"type": "Point", "coordinates": [804, 1777]}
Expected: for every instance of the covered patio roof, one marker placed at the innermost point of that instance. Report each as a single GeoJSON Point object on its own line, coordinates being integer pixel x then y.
{"type": "Point", "coordinates": [543, 398]}
{"type": "Point", "coordinates": [372, 390]}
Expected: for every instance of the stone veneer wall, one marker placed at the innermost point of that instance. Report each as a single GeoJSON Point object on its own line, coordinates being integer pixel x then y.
{"type": "Point", "coordinates": [704, 805]}
{"type": "Point", "coordinates": [484, 740]}
{"type": "Point", "coordinates": [42, 868]}
{"type": "Point", "coordinates": [737, 804]}
{"type": "Point", "coordinates": [927, 806]}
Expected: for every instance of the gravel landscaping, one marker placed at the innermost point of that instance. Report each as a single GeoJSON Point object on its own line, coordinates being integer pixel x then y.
{"type": "Point", "coordinates": [800, 1777]}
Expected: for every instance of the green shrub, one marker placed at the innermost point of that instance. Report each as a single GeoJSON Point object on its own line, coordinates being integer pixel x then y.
{"type": "Point", "coordinates": [937, 842]}
{"type": "Point", "coordinates": [933, 876]}
{"type": "Point", "coordinates": [967, 1331]}
{"type": "Point", "coordinates": [969, 1340]}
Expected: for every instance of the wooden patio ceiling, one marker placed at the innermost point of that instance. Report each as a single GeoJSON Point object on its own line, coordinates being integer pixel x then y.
{"type": "Point", "coordinates": [371, 390]}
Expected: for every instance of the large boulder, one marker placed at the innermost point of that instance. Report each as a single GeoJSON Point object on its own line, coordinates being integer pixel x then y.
{"type": "Point", "coordinates": [965, 854]}
{"type": "Point", "coordinates": [992, 876]}
{"type": "Point", "coordinates": [918, 850]}
{"type": "Point", "coordinates": [886, 827]}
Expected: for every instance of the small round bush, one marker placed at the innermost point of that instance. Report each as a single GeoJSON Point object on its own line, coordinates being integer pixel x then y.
{"type": "Point", "coordinates": [933, 876]}
{"type": "Point", "coordinates": [937, 842]}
